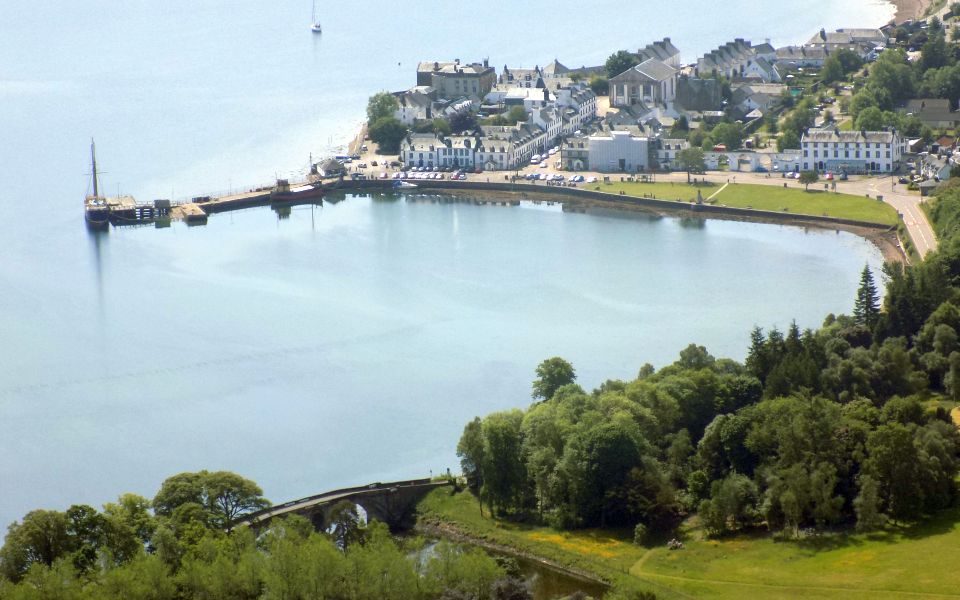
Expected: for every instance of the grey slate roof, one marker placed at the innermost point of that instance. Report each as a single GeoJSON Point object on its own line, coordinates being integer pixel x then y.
{"type": "Point", "coordinates": [837, 136]}
{"type": "Point", "coordinates": [652, 69]}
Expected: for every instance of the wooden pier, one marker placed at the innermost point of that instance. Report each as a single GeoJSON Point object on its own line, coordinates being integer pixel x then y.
{"type": "Point", "coordinates": [125, 210]}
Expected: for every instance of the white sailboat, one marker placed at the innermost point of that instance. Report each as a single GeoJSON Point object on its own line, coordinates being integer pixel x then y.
{"type": "Point", "coordinates": [314, 22]}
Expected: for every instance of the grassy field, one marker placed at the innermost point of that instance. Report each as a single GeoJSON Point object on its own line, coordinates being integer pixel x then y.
{"type": "Point", "coordinates": [764, 197]}
{"type": "Point", "coordinates": [918, 561]}
{"type": "Point", "coordinates": [663, 191]}
{"type": "Point", "coordinates": [798, 201]}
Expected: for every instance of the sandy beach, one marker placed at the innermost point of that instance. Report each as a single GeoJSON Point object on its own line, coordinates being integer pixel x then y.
{"type": "Point", "coordinates": [909, 9]}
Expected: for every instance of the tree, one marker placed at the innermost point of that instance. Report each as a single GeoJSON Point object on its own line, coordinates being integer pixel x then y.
{"type": "Point", "coordinates": [870, 119]}
{"type": "Point", "coordinates": [504, 472]}
{"type": "Point", "coordinates": [691, 160]}
{"type": "Point", "coordinates": [388, 132]}
{"type": "Point", "coordinates": [472, 452]}
{"type": "Point", "coordinates": [599, 84]}
{"type": "Point", "coordinates": [934, 53]}
{"type": "Point", "coordinates": [222, 494]}
{"type": "Point", "coordinates": [552, 374]}
{"type": "Point", "coordinates": [381, 105]}
{"type": "Point", "coordinates": [229, 496]}
{"type": "Point", "coordinates": [832, 70]}
{"type": "Point", "coordinates": [619, 62]}
{"type": "Point", "coordinates": [728, 134]}
{"type": "Point", "coordinates": [866, 307]}
{"type": "Point", "coordinates": [517, 114]}
{"type": "Point", "coordinates": [788, 139]}
{"type": "Point", "coordinates": [41, 538]}
{"type": "Point", "coordinates": [345, 525]}
{"type": "Point", "coordinates": [463, 121]}
{"type": "Point", "coordinates": [808, 177]}
{"type": "Point", "coordinates": [441, 126]}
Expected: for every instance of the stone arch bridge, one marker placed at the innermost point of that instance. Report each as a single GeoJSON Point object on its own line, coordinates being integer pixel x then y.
{"type": "Point", "coordinates": [391, 503]}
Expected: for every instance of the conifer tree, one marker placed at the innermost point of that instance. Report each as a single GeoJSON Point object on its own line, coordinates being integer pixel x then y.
{"type": "Point", "coordinates": [866, 308]}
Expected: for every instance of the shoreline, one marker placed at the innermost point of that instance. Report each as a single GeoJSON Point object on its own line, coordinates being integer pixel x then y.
{"type": "Point", "coordinates": [909, 9]}
{"type": "Point", "coordinates": [882, 237]}
{"type": "Point", "coordinates": [450, 531]}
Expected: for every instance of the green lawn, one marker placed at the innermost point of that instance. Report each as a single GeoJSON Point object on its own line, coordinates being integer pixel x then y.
{"type": "Point", "coordinates": [798, 201]}
{"type": "Point", "coordinates": [903, 562]}
{"type": "Point", "coordinates": [764, 197]}
{"type": "Point", "coordinates": [662, 191]}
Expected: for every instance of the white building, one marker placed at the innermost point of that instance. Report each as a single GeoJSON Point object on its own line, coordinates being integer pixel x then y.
{"type": "Point", "coordinates": [618, 151]}
{"type": "Point", "coordinates": [413, 106]}
{"type": "Point", "coordinates": [504, 148]}
{"type": "Point", "coordinates": [667, 151]}
{"type": "Point", "coordinates": [851, 151]}
{"type": "Point", "coordinates": [652, 83]}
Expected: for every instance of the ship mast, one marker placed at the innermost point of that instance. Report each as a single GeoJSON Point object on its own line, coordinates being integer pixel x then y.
{"type": "Point", "coordinates": [93, 161]}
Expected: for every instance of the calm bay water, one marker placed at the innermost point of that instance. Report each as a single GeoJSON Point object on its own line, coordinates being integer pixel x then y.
{"type": "Point", "coordinates": [349, 343]}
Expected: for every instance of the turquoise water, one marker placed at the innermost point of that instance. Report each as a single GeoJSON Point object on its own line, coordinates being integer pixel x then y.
{"type": "Point", "coordinates": [350, 343]}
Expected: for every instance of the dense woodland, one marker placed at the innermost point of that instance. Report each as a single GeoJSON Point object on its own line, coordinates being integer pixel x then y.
{"type": "Point", "coordinates": [847, 426]}
{"type": "Point", "coordinates": [180, 545]}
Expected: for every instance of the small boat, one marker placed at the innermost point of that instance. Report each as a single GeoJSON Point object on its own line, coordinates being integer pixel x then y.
{"type": "Point", "coordinates": [314, 23]}
{"type": "Point", "coordinates": [403, 185]}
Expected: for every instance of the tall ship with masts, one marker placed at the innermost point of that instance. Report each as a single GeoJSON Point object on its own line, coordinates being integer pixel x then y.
{"type": "Point", "coordinates": [96, 208]}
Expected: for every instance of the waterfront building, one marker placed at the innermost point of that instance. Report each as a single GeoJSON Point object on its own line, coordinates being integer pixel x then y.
{"type": "Point", "coordinates": [851, 151]}
{"type": "Point", "coordinates": [651, 83]}
{"type": "Point", "coordinates": [618, 151]}
{"type": "Point", "coordinates": [667, 150]}
{"type": "Point", "coordinates": [575, 153]}
{"type": "Point", "coordinates": [865, 42]}
{"type": "Point", "coordinates": [453, 80]}
{"type": "Point", "coordinates": [509, 147]}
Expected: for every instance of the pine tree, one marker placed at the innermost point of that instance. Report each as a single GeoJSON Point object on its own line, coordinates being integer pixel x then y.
{"type": "Point", "coordinates": [866, 308]}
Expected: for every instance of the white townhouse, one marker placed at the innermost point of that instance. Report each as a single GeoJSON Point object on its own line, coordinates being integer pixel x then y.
{"type": "Point", "coordinates": [420, 150]}
{"type": "Point", "coordinates": [668, 149]}
{"type": "Point", "coordinates": [852, 151]}
{"type": "Point", "coordinates": [581, 99]}
{"type": "Point", "coordinates": [509, 147]}
{"type": "Point", "coordinates": [549, 120]}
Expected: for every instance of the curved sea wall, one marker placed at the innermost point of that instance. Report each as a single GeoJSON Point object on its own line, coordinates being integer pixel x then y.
{"type": "Point", "coordinates": [666, 206]}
